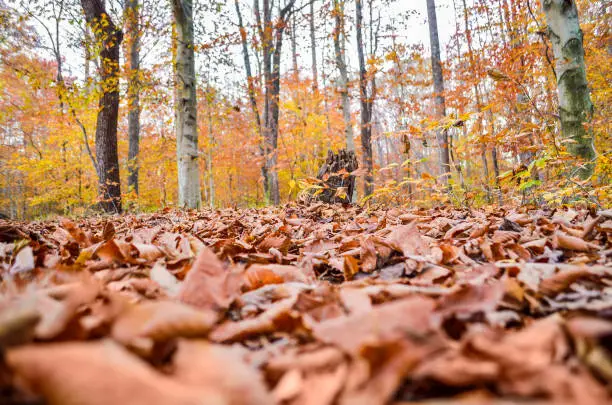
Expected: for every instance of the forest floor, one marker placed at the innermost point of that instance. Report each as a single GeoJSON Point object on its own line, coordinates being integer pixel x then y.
{"type": "Point", "coordinates": [310, 305]}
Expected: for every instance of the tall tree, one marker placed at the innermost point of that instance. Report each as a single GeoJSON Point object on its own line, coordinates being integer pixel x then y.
{"type": "Point", "coordinates": [575, 106]}
{"type": "Point", "coordinates": [438, 78]}
{"type": "Point", "coordinates": [313, 47]}
{"type": "Point", "coordinates": [132, 12]}
{"type": "Point", "coordinates": [479, 104]}
{"type": "Point", "coordinates": [251, 88]}
{"type": "Point", "coordinates": [186, 107]}
{"type": "Point", "coordinates": [339, 36]}
{"type": "Point", "coordinates": [271, 33]}
{"type": "Point", "coordinates": [366, 98]}
{"type": "Point", "coordinates": [108, 37]}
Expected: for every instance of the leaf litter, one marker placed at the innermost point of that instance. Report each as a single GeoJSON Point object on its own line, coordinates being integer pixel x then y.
{"type": "Point", "coordinates": [308, 305]}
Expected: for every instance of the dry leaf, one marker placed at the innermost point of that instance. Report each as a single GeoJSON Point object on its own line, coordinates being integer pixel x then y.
{"type": "Point", "coordinates": [564, 241]}
{"type": "Point", "coordinates": [100, 373]}
{"type": "Point", "coordinates": [208, 284]}
{"type": "Point", "coordinates": [143, 324]}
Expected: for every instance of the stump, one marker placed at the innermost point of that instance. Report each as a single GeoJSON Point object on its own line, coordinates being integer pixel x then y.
{"type": "Point", "coordinates": [338, 183]}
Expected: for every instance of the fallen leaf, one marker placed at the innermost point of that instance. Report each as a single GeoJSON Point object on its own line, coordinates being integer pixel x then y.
{"type": "Point", "coordinates": [564, 241]}
{"type": "Point", "coordinates": [166, 280]}
{"type": "Point", "coordinates": [201, 364]}
{"type": "Point", "coordinates": [257, 276]}
{"type": "Point", "coordinates": [100, 373]}
{"type": "Point", "coordinates": [24, 261]}
{"type": "Point", "coordinates": [143, 324]}
{"type": "Point", "coordinates": [208, 284]}
{"type": "Point", "coordinates": [383, 321]}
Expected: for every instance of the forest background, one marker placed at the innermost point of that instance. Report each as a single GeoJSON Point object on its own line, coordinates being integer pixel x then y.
{"type": "Point", "coordinates": [498, 108]}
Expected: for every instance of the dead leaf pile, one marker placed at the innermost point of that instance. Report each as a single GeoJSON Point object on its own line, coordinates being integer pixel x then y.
{"type": "Point", "coordinates": [308, 305]}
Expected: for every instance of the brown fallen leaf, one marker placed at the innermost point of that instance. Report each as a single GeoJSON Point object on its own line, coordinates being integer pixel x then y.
{"type": "Point", "coordinates": [356, 300]}
{"type": "Point", "coordinates": [563, 241]}
{"type": "Point", "coordinates": [408, 240]}
{"type": "Point", "coordinates": [289, 387]}
{"type": "Point", "coordinates": [281, 243]}
{"type": "Point", "coordinates": [455, 369]}
{"type": "Point", "coordinates": [457, 229]}
{"type": "Point", "coordinates": [258, 275]}
{"type": "Point", "coordinates": [75, 232]}
{"type": "Point", "coordinates": [470, 299]}
{"type": "Point", "coordinates": [147, 252]}
{"type": "Point", "coordinates": [322, 388]}
{"type": "Point", "coordinates": [368, 255]}
{"type": "Point", "coordinates": [280, 317]}
{"type": "Point", "coordinates": [100, 373]}
{"type": "Point", "coordinates": [209, 285]}
{"type": "Point", "coordinates": [350, 333]}
{"type": "Point", "coordinates": [350, 267]}
{"type": "Point", "coordinates": [304, 360]}
{"type": "Point", "coordinates": [59, 306]}
{"type": "Point", "coordinates": [166, 280]}
{"type": "Point", "coordinates": [201, 364]}
{"type": "Point", "coordinates": [589, 336]}
{"type": "Point", "coordinates": [561, 281]}
{"type": "Point", "coordinates": [142, 325]}
{"type": "Point", "coordinates": [390, 362]}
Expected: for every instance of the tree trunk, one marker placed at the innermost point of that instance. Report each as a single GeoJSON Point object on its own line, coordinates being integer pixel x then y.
{"type": "Point", "coordinates": [251, 90]}
{"type": "Point", "coordinates": [132, 11]}
{"type": "Point", "coordinates": [313, 48]}
{"type": "Point", "coordinates": [575, 106]}
{"type": "Point", "coordinates": [186, 108]}
{"type": "Point", "coordinates": [436, 67]}
{"type": "Point", "coordinates": [335, 174]}
{"type": "Point", "coordinates": [294, 53]}
{"type": "Point", "coordinates": [271, 34]}
{"type": "Point", "coordinates": [339, 41]}
{"type": "Point", "coordinates": [483, 146]}
{"type": "Point", "coordinates": [366, 106]}
{"type": "Point", "coordinates": [108, 37]}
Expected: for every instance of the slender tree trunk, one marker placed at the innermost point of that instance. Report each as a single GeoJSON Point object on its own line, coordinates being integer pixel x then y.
{"type": "Point", "coordinates": [271, 34]}
{"type": "Point", "coordinates": [339, 42]}
{"type": "Point", "coordinates": [186, 107]}
{"type": "Point", "coordinates": [575, 106]}
{"type": "Point", "coordinates": [273, 117]}
{"type": "Point", "coordinates": [251, 90]}
{"type": "Point", "coordinates": [436, 65]}
{"type": "Point", "coordinates": [132, 11]}
{"type": "Point", "coordinates": [294, 57]}
{"type": "Point", "coordinates": [209, 163]}
{"type": "Point", "coordinates": [483, 146]}
{"type": "Point", "coordinates": [313, 47]}
{"type": "Point", "coordinates": [108, 37]}
{"type": "Point", "coordinates": [366, 105]}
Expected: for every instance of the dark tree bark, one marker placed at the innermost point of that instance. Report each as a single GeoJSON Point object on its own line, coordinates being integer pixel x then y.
{"type": "Point", "coordinates": [132, 17]}
{"type": "Point", "coordinates": [366, 99]}
{"type": "Point", "coordinates": [335, 174]}
{"type": "Point", "coordinates": [436, 65]}
{"type": "Point", "coordinates": [313, 48]}
{"type": "Point", "coordinates": [108, 38]}
{"type": "Point", "coordinates": [271, 34]}
{"type": "Point", "coordinates": [251, 88]}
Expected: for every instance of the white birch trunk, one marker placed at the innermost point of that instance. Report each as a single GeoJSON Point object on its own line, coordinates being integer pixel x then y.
{"type": "Point", "coordinates": [186, 108]}
{"type": "Point", "coordinates": [575, 106]}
